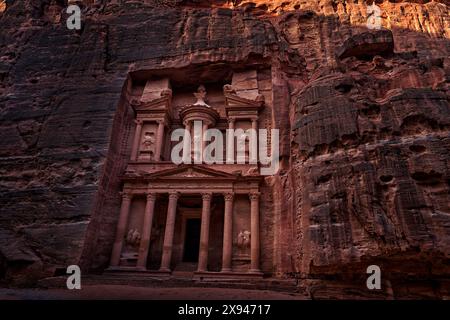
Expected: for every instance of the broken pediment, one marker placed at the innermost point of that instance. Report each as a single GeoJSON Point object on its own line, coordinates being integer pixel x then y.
{"type": "Point", "coordinates": [243, 90]}
{"type": "Point", "coordinates": [162, 103]}
{"type": "Point", "coordinates": [154, 89]}
{"type": "Point", "coordinates": [156, 101]}
{"type": "Point", "coordinates": [234, 100]}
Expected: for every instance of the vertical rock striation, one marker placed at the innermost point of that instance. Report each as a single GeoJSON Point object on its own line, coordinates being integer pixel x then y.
{"type": "Point", "coordinates": [363, 114]}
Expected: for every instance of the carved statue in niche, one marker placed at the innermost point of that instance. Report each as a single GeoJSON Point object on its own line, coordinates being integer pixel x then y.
{"type": "Point", "coordinates": [149, 140]}
{"type": "Point", "coordinates": [243, 241]}
{"type": "Point", "coordinates": [133, 238]}
{"type": "Point", "coordinates": [148, 143]}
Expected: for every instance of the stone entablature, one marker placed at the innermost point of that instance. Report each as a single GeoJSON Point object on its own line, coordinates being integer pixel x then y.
{"type": "Point", "coordinates": [207, 115]}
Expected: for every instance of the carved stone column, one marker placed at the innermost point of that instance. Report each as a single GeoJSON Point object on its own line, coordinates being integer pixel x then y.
{"type": "Point", "coordinates": [254, 143]}
{"type": "Point", "coordinates": [204, 129]}
{"type": "Point", "coordinates": [230, 141]}
{"type": "Point", "coordinates": [121, 227]}
{"type": "Point", "coordinates": [204, 233]}
{"type": "Point", "coordinates": [254, 232]}
{"type": "Point", "coordinates": [146, 230]}
{"type": "Point", "coordinates": [159, 140]}
{"type": "Point", "coordinates": [168, 234]}
{"type": "Point", "coordinates": [137, 140]}
{"type": "Point", "coordinates": [227, 233]}
{"type": "Point", "coordinates": [187, 143]}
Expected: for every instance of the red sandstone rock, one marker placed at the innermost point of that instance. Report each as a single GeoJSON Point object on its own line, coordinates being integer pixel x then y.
{"type": "Point", "coordinates": [364, 120]}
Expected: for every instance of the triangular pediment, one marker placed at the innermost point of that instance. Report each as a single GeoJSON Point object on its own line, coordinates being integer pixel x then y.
{"type": "Point", "coordinates": [191, 171]}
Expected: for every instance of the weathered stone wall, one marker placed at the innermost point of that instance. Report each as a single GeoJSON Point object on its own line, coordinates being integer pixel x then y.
{"type": "Point", "coordinates": [364, 120]}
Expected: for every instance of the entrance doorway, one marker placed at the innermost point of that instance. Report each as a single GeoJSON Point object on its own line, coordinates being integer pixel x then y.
{"type": "Point", "coordinates": [192, 240]}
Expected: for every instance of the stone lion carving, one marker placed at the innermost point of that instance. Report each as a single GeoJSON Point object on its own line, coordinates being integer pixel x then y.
{"type": "Point", "coordinates": [133, 237]}
{"type": "Point", "coordinates": [228, 88]}
{"type": "Point", "coordinates": [243, 240]}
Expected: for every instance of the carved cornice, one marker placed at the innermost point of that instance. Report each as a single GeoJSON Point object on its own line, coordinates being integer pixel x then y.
{"type": "Point", "coordinates": [254, 196]}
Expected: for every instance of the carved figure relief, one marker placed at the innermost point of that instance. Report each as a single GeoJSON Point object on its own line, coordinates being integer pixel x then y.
{"type": "Point", "coordinates": [133, 238]}
{"type": "Point", "coordinates": [148, 143]}
{"type": "Point", "coordinates": [243, 240]}
{"type": "Point", "coordinates": [149, 140]}
{"type": "Point", "coordinates": [201, 95]}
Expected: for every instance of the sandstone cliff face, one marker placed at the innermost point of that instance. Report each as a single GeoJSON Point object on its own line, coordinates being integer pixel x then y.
{"type": "Point", "coordinates": [364, 119]}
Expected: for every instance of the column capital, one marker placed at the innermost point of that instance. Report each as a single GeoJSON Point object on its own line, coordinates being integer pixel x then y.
{"type": "Point", "coordinates": [160, 121]}
{"type": "Point", "coordinates": [228, 196]}
{"type": "Point", "coordinates": [254, 196]}
{"type": "Point", "coordinates": [207, 196]}
{"type": "Point", "coordinates": [126, 195]}
{"type": "Point", "coordinates": [174, 195]}
{"type": "Point", "coordinates": [187, 123]}
{"type": "Point", "coordinates": [151, 196]}
{"type": "Point", "coordinates": [138, 122]}
{"type": "Point", "coordinates": [231, 120]}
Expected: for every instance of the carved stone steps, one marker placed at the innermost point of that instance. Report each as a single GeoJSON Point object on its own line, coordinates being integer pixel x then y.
{"type": "Point", "coordinates": [144, 280]}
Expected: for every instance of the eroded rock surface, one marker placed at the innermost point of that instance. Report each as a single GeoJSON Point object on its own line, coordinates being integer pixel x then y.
{"type": "Point", "coordinates": [364, 118]}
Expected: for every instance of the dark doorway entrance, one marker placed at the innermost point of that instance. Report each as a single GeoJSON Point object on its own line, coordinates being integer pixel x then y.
{"type": "Point", "coordinates": [192, 240]}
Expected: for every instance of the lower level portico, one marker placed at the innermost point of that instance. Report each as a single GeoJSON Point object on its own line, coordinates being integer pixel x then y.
{"type": "Point", "coordinates": [189, 219]}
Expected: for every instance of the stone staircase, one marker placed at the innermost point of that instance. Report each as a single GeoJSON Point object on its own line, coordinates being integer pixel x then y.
{"type": "Point", "coordinates": [186, 267]}
{"type": "Point", "coordinates": [180, 278]}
